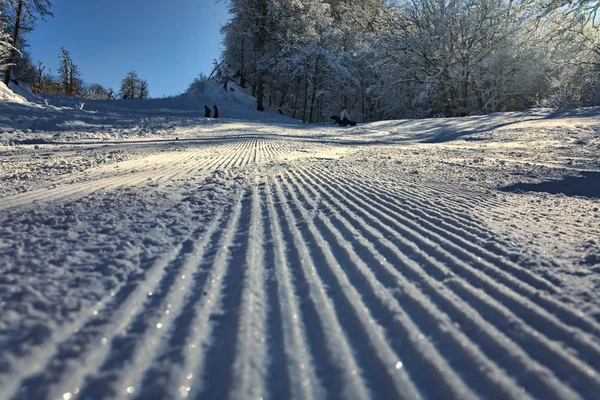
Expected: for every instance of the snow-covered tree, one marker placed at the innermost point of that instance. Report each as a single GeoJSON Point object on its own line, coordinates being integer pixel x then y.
{"type": "Point", "coordinates": [129, 86]}
{"type": "Point", "coordinates": [5, 44]}
{"type": "Point", "coordinates": [133, 88]}
{"type": "Point", "coordinates": [143, 93]}
{"type": "Point", "coordinates": [20, 16]}
{"type": "Point", "coordinates": [95, 91]}
{"type": "Point", "coordinates": [64, 68]}
{"type": "Point", "coordinates": [302, 53]}
{"type": "Point", "coordinates": [69, 74]}
{"type": "Point", "coordinates": [199, 85]}
{"type": "Point", "coordinates": [447, 57]}
{"type": "Point", "coordinates": [250, 34]}
{"type": "Point", "coordinates": [24, 67]}
{"type": "Point", "coordinates": [405, 58]}
{"type": "Point", "coordinates": [574, 55]}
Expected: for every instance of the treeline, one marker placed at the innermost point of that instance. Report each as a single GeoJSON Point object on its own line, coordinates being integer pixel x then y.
{"type": "Point", "coordinates": [414, 58]}
{"type": "Point", "coordinates": [68, 80]}
{"type": "Point", "coordinates": [17, 18]}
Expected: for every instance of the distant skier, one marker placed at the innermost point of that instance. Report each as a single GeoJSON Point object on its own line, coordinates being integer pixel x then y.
{"type": "Point", "coordinates": [206, 111]}
{"type": "Point", "coordinates": [216, 111]}
{"type": "Point", "coordinates": [343, 119]}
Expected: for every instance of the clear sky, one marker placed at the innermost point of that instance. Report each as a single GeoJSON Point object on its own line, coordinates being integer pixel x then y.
{"type": "Point", "coordinates": [167, 43]}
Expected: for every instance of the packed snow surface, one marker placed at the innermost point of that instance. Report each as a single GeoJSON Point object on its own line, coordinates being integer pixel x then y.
{"type": "Point", "coordinates": [149, 253]}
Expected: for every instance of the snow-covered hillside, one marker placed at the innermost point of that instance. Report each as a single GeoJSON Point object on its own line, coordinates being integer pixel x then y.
{"type": "Point", "coordinates": [25, 116]}
{"type": "Point", "coordinates": [147, 252]}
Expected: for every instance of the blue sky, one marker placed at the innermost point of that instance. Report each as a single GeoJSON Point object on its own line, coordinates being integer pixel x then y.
{"type": "Point", "coordinates": [167, 43]}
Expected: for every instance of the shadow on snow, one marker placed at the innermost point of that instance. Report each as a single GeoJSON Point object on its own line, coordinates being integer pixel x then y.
{"type": "Point", "coordinates": [587, 185]}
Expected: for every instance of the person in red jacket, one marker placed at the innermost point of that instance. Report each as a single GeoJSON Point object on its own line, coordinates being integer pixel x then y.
{"type": "Point", "coordinates": [215, 111]}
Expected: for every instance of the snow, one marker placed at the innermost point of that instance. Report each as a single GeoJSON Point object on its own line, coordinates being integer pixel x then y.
{"type": "Point", "coordinates": [63, 119]}
{"type": "Point", "coordinates": [10, 96]}
{"type": "Point", "coordinates": [149, 252]}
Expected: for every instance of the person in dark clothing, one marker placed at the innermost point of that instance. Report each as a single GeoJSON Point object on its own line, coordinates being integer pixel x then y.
{"type": "Point", "coordinates": [342, 119]}
{"type": "Point", "coordinates": [342, 122]}
{"type": "Point", "coordinates": [216, 111]}
{"type": "Point", "coordinates": [206, 111]}
{"type": "Point", "coordinates": [344, 115]}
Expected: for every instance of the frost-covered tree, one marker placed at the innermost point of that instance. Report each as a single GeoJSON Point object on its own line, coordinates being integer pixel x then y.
{"type": "Point", "coordinates": [64, 68]}
{"type": "Point", "coordinates": [143, 93]}
{"type": "Point", "coordinates": [20, 16]}
{"type": "Point", "coordinates": [94, 91]}
{"type": "Point", "coordinates": [199, 85]}
{"type": "Point", "coordinates": [447, 57]}
{"type": "Point", "coordinates": [75, 83]}
{"type": "Point", "coordinates": [132, 87]}
{"type": "Point", "coordinates": [69, 74]}
{"type": "Point", "coordinates": [129, 86]}
{"type": "Point", "coordinates": [407, 58]}
{"type": "Point", "coordinates": [301, 55]}
{"type": "Point", "coordinates": [250, 34]}
{"type": "Point", "coordinates": [24, 69]}
{"type": "Point", "coordinates": [574, 55]}
{"type": "Point", "coordinates": [5, 43]}
{"type": "Point", "coordinates": [309, 58]}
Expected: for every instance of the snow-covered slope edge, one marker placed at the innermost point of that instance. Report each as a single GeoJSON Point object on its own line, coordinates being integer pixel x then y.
{"type": "Point", "coordinates": [9, 96]}
{"type": "Point", "coordinates": [24, 116]}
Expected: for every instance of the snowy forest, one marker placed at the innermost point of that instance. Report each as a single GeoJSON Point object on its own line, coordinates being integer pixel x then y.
{"type": "Point", "coordinates": [413, 58]}
{"type": "Point", "coordinates": [382, 59]}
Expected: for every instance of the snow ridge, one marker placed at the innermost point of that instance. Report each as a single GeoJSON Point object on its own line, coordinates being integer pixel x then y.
{"type": "Point", "coordinates": [307, 278]}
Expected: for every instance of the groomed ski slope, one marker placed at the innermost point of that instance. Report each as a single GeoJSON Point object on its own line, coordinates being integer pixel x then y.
{"type": "Point", "coordinates": [275, 264]}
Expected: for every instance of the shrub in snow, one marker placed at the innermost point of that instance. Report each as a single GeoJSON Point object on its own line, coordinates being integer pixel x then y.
{"type": "Point", "coordinates": [199, 85]}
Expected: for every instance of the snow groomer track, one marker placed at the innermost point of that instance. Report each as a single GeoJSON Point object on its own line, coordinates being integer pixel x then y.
{"type": "Point", "coordinates": [303, 275]}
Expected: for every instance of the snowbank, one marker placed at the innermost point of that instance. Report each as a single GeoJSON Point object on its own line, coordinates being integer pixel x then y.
{"type": "Point", "coordinates": [9, 96]}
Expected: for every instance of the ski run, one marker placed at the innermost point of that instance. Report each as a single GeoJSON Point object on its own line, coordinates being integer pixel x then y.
{"type": "Point", "coordinates": [433, 259]}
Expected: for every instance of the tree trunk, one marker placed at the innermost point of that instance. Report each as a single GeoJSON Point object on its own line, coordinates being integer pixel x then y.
{"type": "Point", "coordinates": [284, 95]}
{"type": "Point", "coordinates": [243, 80]}
{"type": "Point", "coordinates": [71, 82]}
{"type": "Point", "coordinates": [40, 78]}
{"type": "Point", "coordinates": [260, 38]}
{"type": "Point", "coordinates": [243, 67]}
{"type": "Point", "coordinates": [314, 91]}
{"type": "Point", "coordinates": [305, 97]}
{"type": "Point", "coordinates": [260, 92]}
{"type": "Point", "coordinates": [298, 81]}
{"type": "Point", "coordinates": [362, 100]}
{"type": "Point", "coordinates": [465, 90]}
{"type": "Point", "coordinates": [15, 40]}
